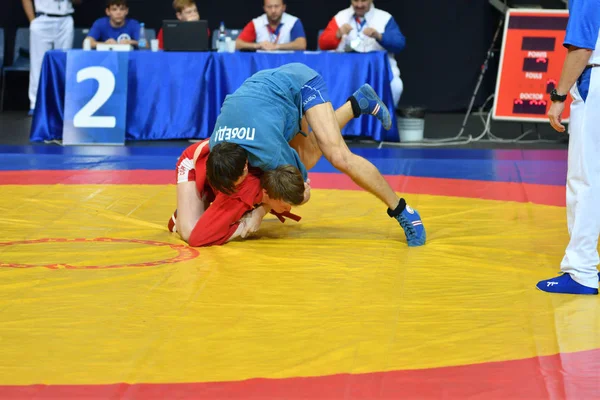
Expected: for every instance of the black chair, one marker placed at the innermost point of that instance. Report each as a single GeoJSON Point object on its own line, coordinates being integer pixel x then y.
{"type": "Point", "coordinates": [21, 60]}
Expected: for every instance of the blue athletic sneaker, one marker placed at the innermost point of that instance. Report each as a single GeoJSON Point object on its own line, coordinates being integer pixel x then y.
{"type": "Point", "coordinates": [410, 221]}
{"type": "Point", "coordinates": [370, 103]}
{"type": "Point", "coordinates": [564, 284]}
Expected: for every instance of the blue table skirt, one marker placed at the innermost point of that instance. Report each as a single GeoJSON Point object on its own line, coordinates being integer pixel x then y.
{"type": "Point", "coordinates": [179, 95]}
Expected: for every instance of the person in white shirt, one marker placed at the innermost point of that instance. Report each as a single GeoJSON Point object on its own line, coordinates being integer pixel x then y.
{"type": "Point", "coordinates": [274, 30]}
{"type": "Point", "coordinates": [375, 29]}
{"type": "Point", "coordinates": [50, 27]}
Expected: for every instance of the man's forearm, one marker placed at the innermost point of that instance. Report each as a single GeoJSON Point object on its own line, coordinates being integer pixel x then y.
{"type": "Point", "coordinates": [298, 44]}
{"type": "Point", "coordinates": [28, 8]}
{"type": "Point", "coordinates": [574, 65]}
{"type": "Point", "coordinates": [242, 45]}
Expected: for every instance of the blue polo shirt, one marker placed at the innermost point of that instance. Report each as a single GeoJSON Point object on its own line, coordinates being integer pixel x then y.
{"type": "Point", "coordinates": [102, 30]}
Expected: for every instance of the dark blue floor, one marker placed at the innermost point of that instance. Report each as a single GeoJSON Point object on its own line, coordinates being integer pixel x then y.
{"type": "Point", "coordinates": [527, 166]}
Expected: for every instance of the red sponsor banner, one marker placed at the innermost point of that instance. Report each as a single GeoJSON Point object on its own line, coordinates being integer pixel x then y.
{"type": "Point", "coordinates": [530, 64]}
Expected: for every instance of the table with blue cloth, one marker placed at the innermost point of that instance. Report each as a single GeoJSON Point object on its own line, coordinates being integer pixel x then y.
{"type": "Point", "coordinates": [173, 95]}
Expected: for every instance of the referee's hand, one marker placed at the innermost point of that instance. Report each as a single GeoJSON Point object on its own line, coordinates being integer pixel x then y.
{"type": "Point", "coordinates": [554, 115]}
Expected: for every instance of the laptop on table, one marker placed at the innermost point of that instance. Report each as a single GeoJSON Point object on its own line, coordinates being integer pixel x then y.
{"type": "Point", "coordinates": [185, 36]}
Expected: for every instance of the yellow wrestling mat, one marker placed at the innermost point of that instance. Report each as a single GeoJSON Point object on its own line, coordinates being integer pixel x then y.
{"type": "Point", "coordinates": [338, 292]}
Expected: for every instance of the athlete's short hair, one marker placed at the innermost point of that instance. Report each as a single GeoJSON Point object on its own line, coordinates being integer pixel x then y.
{"type": "Point", "coordinates": [284, 183]}
{"type": "Point", "coordinates": [110, 3]}
{"type": "Point", "coordinates": [180, 5]}
{"type": "Point", "coordinates": [225, 165]}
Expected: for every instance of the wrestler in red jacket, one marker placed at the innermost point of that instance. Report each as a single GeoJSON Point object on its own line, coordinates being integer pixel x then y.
{"type": "Point", "coordinates": [205, 217]}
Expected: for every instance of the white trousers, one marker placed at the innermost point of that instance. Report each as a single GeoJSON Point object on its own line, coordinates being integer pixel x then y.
{"type": "Point", "coordinates": [583, 185]}
{"type": "Point", "coordinates": [46, 33]}
{"type": "Point", "coordinates": [397, 87]}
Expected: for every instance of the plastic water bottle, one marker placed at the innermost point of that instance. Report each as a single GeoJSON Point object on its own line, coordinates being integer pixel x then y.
{"type": "Point", "coordinates": [142, 42]}
{"type": "Point", "coordinates": [222, 44]}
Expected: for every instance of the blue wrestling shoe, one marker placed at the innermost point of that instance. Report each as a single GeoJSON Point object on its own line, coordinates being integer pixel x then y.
{"type": "Point", "coordinates": [370, 103]}
{"type": "Point", "coordinates": [410, 221]}
{"type": "Point", "coordinates": [564, 284]}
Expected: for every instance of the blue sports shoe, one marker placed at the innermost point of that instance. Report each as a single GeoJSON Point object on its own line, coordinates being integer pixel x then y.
{"type": "Point", "coordinates": [564, 284]}
{"type": "Point", "coordinates": [370, 103]}
{"type": "Point", "coordinates": [410, 221]}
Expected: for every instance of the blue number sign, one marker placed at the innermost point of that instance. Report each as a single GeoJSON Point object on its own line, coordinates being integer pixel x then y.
{"type": "Point", "coordinates": [95, 97]}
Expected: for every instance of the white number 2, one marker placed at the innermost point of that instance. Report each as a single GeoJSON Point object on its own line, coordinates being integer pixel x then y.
{"type": "Point", "coordinates": [106, 86]}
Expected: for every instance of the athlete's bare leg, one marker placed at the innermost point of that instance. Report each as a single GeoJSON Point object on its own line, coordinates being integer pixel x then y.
{"type": "Point", "coordinates": [324, 123]}
{"type": "Point", "coordinates": [307, 146]}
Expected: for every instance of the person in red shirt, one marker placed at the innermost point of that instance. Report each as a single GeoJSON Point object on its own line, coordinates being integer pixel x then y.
{"type": "Point", "coordinates": [185, 10]}
{"type": "Point", "coordinates": [205, 217]}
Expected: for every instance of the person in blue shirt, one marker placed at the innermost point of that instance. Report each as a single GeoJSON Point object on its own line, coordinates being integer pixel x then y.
{"type": "Point", "coordinates": [259, 125]}
{"type": "Point", "coordinates": [581, 76]}
{"type": "Point", "coordinates": [115, 27]}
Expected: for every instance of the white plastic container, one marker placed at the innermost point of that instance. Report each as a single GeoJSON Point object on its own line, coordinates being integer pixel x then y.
{"type": "Point", "coordinates": [411, 129]}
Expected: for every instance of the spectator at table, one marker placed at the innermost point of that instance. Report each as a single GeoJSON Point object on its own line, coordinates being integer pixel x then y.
{"type": "Point", "coordinates": [274, 30]}
{"type": "Point", "coordinates": [363, 28]}
{"type": "Point", "coordinates": [115, 27]}
{"type": "Point", "coordinates": [185, 10]}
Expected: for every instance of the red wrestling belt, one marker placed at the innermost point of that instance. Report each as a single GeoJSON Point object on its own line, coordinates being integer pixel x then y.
{"type": "Point", "coordinates": [286, 214]}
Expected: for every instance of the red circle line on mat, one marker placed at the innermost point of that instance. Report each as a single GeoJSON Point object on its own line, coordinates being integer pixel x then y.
{"type": "Point", "coordinates": [184, 253]}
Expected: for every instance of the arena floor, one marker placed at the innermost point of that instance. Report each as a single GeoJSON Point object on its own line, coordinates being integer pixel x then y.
{"type": "Point", "coordinates": [99, 300]}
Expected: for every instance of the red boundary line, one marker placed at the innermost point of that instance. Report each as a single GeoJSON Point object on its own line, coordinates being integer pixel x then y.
{"type": "Point", "coordinates": [489, 190]}
{"type": "Point", "coordinates": [562, 376]}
